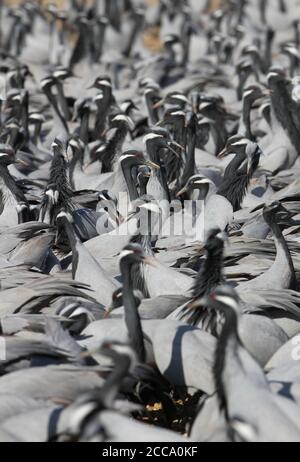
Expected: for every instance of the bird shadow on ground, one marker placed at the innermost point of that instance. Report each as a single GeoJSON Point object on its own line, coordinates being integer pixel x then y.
{"type": "Point", "coordinates": [175, 368]}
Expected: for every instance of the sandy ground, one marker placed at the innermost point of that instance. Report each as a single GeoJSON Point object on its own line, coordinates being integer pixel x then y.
{"type": "Point", "coordinates": [151, 35]}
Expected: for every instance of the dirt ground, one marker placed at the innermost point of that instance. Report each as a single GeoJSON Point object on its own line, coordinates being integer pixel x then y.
{"type": "Point", "coordinates": [214, 4]}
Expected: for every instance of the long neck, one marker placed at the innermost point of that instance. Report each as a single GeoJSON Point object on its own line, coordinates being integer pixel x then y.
{"type": "Point", "coordinates": [233, 166]}
{"type": "Point", "coordinates": [171, 53]}
{"type": "Point", "coordinates": [100, 41]}
{"type": "Point", "coordinates": [262, 7]}
{"type": "Point", "coordinates": [9, 185]}
{"type": "Point", "coordinates": [84, 127]}
{"type": "Point", "coordinates": [210, 275]}
{"type": "Point", "coordinates": [179, 133]}
{"type": "Point", "coordinates": [133, 35]}
{"type": "Point", "coordinates": [186, 45]}
{"type": "Point", "coordinates": [117, 142]}
{"type": "Point", "coordinates": [189, 168]}
{"type": "Point", "coordinates": [74, 243]}
{"type": "Point", "coordinates": [267, 62]}
{"type": "Point", "coordinates": [243, 76]}
{"type": "Point", "coordinates": [75, 166]}
{"type": "Point", "coordinates": [37, 133]}
{"type": "Point", "coordinates": [62, 101]}
{"type": "Point", "coordinates": [132, 319]}
{"type": "Point", "coordinates": [247, 117]}
{"type": "Point", "coordinates": [113, 383]}
{"type": "Point", "coordinates": [24, 114]}
{"type": "Point", "coordinates": [297, 33]}
{"type": "Point", "coordinates": [57, 114]}
{"type": "Point", "coordinates": [114, 150]}
{"type": "Point", "coordinates": [235, 190]}
{"type": "Point", "coordinates": [282, 6]}
{"type": "Point", "coordinates": [102, 112]}
{"type": "Point", "coordinates": [132, 190]}
{"type": "Point", "coordinates": [283, 257]}
{"type": "Point", "coordinates": [159, 175]}
{"type": "Point", "coordinates": [225, 355]}
{"type": "Point", "coordinates": [82, 47]}
{"type": "Point", "coordinates": [283, 108]}
{"type": "Point", "coordinates": [153, 113]}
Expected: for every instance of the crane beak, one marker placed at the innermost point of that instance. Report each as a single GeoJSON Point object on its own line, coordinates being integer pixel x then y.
{"type": "Point", "coordinates": [177, 145]}
{"type": "Point", "coordinates": [249, 166]}
{"type": "Point", "coordinates": [151, 164]}
{"type": "Point", "coordinates": [182, 191]}
{"type": "Point", "coordinates": [21, 162]}
{"type": "Point", "coordinates": [223, 153]}
{"type": "Point", "coordinates": [107, 312]}
{"type": "Point", "coordinates": [118, 217]}
{"type": "Point", "coordinates": [197, 303]}
{"type": "Point", "coordinates": [173, 150]}
{"type": "Point", "coordinates": [158, 104]}
{"type": "Point", "coordinates": [266, 92]}
{"type": "Point", "coordinates": [149, 262]}
{"type": "Point", "coordinates": [85, 354]}
{"type": "Point", "coordinates": [104, 133]}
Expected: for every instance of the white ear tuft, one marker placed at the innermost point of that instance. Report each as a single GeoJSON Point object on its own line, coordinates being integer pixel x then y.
{"type": "Point", "coordinates": [125, 253]}
{"type": "Point", "coordinates": [151, 136]}
{"type": "Point", "coordinates": [228, 301]}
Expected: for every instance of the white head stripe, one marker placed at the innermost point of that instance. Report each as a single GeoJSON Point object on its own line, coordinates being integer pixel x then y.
{"type": "Point", "coordinates": [271, 74]}
{"type": "Point", "coordinates": [104, 83]}
{"type": "Point", "coordinates": [228, 301]}
{"type": "Point", "coordinates": [125, 253]}
{"type": "Point", "coordinates": [240, 142]}
{"type": "Point", "coordinates": [125, 156]}
{"type": "Point", "coordinates": [121, 117]}
{"type": "Point", "coordinates": [151, 136]}
{"type": "Point", "coordinates": [204, 181]}
{"type": "Point", "coordinates": [248, 92]}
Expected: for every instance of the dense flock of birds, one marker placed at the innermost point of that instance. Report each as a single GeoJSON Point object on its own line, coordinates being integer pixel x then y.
{"type": "Point", "coordinates": [149, 227]}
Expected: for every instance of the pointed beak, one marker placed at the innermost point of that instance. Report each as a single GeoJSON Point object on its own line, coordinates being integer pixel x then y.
{"type": "Point", "coordinates": [85, 354]}
{"type": "Point", "coordinates": [173, 150]}
{"type": "Point", "coordinates": [266, 92]}
{"type": "Point", "coordinates": [182, 191]}
{"type": "Point", "coordinates": [197, 303]}
{"type": "Point", "coordinates": [177, 145]}
{"type": "Point", "coordinates": [150, 262]}
{"type": "Point", "coordinates": [151, 164]}
{"type": "Point", "coordinates": [249, 166]}
{"type": "Point", "coordinates": [158, 104]}
{"type": "Point", "coordinates": [104, 133]}
{"type": "Point", "coordinates": [21, 162]}
{"type": "Point", "coordinates": [117, 217]}
{"type": "Point", "coordinates": [107, 312]}
{"type": "Point", "coordinates": [223, 153]}
{"type": "Point", "coordinates": [195, 108]}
